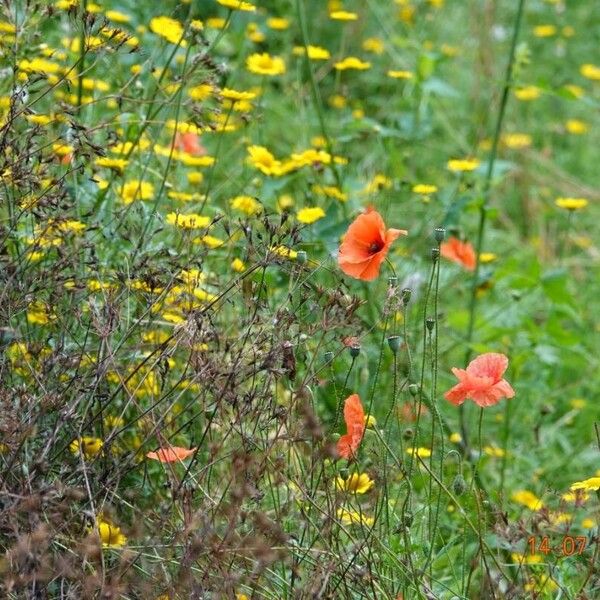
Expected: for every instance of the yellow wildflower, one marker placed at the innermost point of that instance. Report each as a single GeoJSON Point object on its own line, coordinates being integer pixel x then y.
{"type": "Point", "coordinates": [352, 62]}
{"type": "Point", "coordinates": [356, 483]}
{"type": "Point", "coordinates": [265, 64]}
{"type": "Point", "coordinates": [571, 203]}
{"type": "Point", "coordinates": [237, 5]}
{"type": "Point", "coordinates": [246, 204]}
{"type": "Point", "coordinates": [190, 221]}
{"type": "Point", "coordinates": [309, 215]}
{"type": "Point", "coordinates": [86, 445]}
{"type": "Point", "coordinates": [136, 190]}
{"type": "Point", "coordinates": [168, 28]}
{"type": "Point", "coordinates": [528, 499]}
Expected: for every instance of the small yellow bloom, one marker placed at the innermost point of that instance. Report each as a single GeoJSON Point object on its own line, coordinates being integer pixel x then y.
{"type": "Point", "coordinates": [370, 421]}
{"type": "Point", "coordinates": [487, 257]}
{"type": "Point", "coordinates": [527, 559]}
{"type": "Point", "coordinates": [285, 252]}
{"type": "Point", "coordinates": [352, 517]}
{"type": "Point", "coordinates": [455, 438]}
{"type": "Point", "coordinates": [265, 64]}
{"type": "Point", "coordinates": [575, 496]}
{"type": "Point", "coordinates": [571, 203]}
{"type": "Point", "coordinates": [110, 535]}
{"type": "Point", "coordinates": [516, 141]}
{"type": "Point", "coordinates": [237, 5]}
{"type": "Point", "coordinates": [356, 483]}
{"type": "Point", "coordinates": [278, 23]}
{"type": "Point", "coordinates": [588, 523]}
{"type": "Point", "coordinates": [351, 62]}
{"type": "Point", "coordinates": [591, 485]}
{"type": "Point", "coordinates": [246, 204]}
{"type": "Point", "coordinates": [190, 221]}
{"type": "Point", "coordinates": [543, 31]}
{"type": "Point", "coordinates": [374, 45]}
{"type": "Point", "coordinates": [314, 52]}
{"type": "Point", "coordinates": [343, 15]}
{"type": "Point", "coordinates": [461, 165]}
{"type": "Point", "coordinates": [424, 188]}
{"type": "Point", "coordinates": [263, 160]}
{"type": "Point", "coordinates": [136, 190]}
{"type": "Point", "coordinates": [420, 452]}
{"type": "Point", "coordinates": [169, 29]}
{"type": "Point", "coordinates": [231, 94]}
{"type": "Point", "coordinates": [195, 177]}
{"type": "Point", "coordinates": [590, 71]}
{"type": "Point", "coordinates": [494, 451]}
{"type": "Point", "coordinates": [309, 215]}
{"type": "Point", "coordinates": [528, 499]}
{"type": "Point", "coordinates": [89, 446]}
{"type": "Point", "coordinates": [400, 74]}
{"type": "Point", "coordinates": [238, 265]}
{"type": "Point", "coordinates": [118, 164]}
{"type": "Point", "coordinates": [527, 93]}
{"type": "Point", "coordinates": [576, 127]}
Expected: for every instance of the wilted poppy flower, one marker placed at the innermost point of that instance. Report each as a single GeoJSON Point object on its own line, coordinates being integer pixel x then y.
{"type": "Point", "coordinates": [189, 142]}
{"type": "Point", "coordinates": [366, 245]}
{"type": "Point", "coordinates": [354, 417]}
{"type": "Point", "coordinates": [171, 454]}
{"type": "Point", "coordinates": [459, 252]}
{"type": "Point", "coordinates": [481, 381]}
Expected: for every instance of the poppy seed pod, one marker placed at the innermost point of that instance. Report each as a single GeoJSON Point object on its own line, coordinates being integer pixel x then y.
{"type": "Point", "coordinates": [354, 351]}
{"type": "Point", "coordinates": [328, 356]}
{"type": "Point", "coordinates": [435, 254]}
{"type": "Point", "coordinates": [393, 281]}
{"type": "Point", "coordinates": [406, 294]}
{"type": "Point", "coordinates": [430, 322]}
{"type": "Point", "coordinates": [459, 485]}
{"type": "Point", "coordinates": [394, 343]}
{"type": "Point", "coordinates": [439, 233]}
{"type": "Point", "coordinates": [413, 388]}
{"type": "Point", "coordinates": [301, 256]}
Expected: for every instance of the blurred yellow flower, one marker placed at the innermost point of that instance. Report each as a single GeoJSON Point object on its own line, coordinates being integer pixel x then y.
{"type": "Point", "coordinates": [237, 5]}
{"type": "Point", "coordinates": [246, 204]}
{"type": "Point", "coordinates": [352, 517]}
{"type": "Point", "coordinates": [576, 127]}
{"type": "Point", "coordinates": [527, 93]}
{"type": "Point", "coordinates": [543, 31]}
{"type": "Point", "coordinates": [110, 535]}
{"type": "Point", "coordinates": [356, 483]}
{"type": "Point", "coordinates": [590, 71]}
{"type": "Point", "coordinates": [400, 74]}
{"type": "Point", "coordinates": [464, 164]}
{"type": "Point", "coordinates": [136, 190]}
{"type": "Point", "coordinates": [88, 446]}
{"type": "Point", "coordinates": [571, 203]}
{"type": "Point", "coordinates": [591, 485]}
{"type": "Point", "coordinates": [265, 64]}
{"type": "Point", "coordinates": [309, 215]}
{"type": "Point", "coordinates": [343, 15]}
{"type": "Point", "coordinates": [190, 221]}
{"type": "Point", "coordinates": [169, 29]}
{"type": "Point", "coordinates": [351, 62]}
{"type": "Point", "coordinates": [528, 499]}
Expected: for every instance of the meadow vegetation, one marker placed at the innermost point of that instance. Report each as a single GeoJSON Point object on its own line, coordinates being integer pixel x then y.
{"type": "Point", "coordinates": [299, 299]}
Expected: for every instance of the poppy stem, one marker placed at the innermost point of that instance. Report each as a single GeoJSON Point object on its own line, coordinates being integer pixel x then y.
{"type": "Point", "coordinates": [483, 208]}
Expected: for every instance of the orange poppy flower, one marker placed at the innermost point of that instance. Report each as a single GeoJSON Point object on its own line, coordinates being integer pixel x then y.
{"type": "Point", "coordinates": [366, 245]}
{"type": "Point", "coordinates": [459, 252]}
{"type": "Point", "coordinates": [481, 381]}
{"type": "Point", "coordinates": [171, 454]}
{"type": "Point", "coordinates": [189, 142]}
{"type": "Point", "coordinates": [354, 416]}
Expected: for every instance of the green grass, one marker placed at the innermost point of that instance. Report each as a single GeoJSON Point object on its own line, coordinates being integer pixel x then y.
{"type": "Point", "coordinates": [240, 337]}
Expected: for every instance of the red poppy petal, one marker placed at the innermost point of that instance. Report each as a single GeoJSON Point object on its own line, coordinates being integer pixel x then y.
{"type": "Point", "coordinates": [491, 364]}
{"type": "Point", "coordinates": [170, 454]}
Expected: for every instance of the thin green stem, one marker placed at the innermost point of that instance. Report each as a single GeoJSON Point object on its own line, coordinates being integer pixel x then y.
{"type": "Point", "coordinates": [483, 208]}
